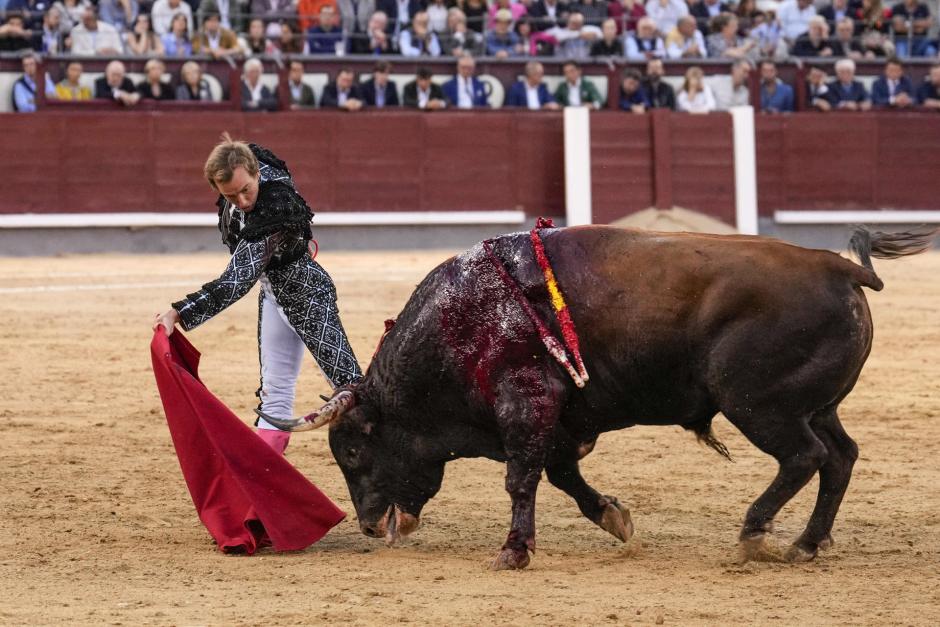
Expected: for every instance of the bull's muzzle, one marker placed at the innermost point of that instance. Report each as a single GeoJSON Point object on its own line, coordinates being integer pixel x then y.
{"type": "Point", "coordinates": [393, 526]}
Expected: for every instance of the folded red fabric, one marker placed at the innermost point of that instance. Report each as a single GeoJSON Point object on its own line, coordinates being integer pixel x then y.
{"type": "Point", "coordinates": [246, 495]}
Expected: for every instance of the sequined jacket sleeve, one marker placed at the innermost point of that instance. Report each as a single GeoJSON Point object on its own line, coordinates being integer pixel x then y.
{"type": "Point", "coordinates": [248, 262]}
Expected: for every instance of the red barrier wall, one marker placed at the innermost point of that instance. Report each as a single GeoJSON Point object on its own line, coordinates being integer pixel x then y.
{"type": "Point", "coordinates": [411, 161]}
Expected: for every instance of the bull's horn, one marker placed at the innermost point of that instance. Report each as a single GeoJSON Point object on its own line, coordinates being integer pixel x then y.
{"type": "Point", "coordinates": [333, 409]}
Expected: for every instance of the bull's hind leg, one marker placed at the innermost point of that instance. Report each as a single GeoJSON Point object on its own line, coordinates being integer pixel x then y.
{"type": "Point", "coordinates": [800, 454]}
{"type": "Point", "coordinates": [834, 476]}
{"type": "Point", "coordinates": [527, 411]}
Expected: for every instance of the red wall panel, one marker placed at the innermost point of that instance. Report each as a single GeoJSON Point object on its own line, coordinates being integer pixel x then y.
{"type": "Point", "coordinates": [621, 165]}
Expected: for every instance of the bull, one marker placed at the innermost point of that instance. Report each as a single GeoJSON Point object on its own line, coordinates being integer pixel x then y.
{"type": "Point", "coordinates": [674, 328]}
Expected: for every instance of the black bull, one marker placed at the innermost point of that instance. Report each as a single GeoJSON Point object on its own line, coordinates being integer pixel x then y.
{"type": "Point", "coordinates": [674, 328]}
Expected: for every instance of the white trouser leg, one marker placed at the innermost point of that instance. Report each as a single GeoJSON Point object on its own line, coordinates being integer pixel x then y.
{"type": "Point", "coordinates": [281, 351]}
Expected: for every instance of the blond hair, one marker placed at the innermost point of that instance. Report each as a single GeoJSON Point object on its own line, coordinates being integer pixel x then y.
{"type": "Point", "coordinates": [227, 155]}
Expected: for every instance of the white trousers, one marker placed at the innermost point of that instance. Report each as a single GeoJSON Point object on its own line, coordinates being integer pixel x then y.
{"type": "Point", "coordinates": [281, 351]}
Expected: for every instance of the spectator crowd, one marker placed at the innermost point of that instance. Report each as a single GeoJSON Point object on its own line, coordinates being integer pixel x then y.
{"type": "Point", "coordinates": [753, 34]}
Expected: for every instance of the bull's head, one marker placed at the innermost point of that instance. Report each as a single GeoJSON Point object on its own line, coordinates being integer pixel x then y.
{"type": "Point", "coordinates": [388, 479]}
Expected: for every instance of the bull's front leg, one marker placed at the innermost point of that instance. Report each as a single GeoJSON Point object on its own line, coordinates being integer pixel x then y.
{"type": "Point", "coordinates": [526, 422]}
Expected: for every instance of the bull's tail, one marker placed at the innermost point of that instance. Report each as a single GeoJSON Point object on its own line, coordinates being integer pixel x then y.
{"type": "Point", "coordinates": [704, 434]}
{"type": "Point", "coordinates": [866, 244]}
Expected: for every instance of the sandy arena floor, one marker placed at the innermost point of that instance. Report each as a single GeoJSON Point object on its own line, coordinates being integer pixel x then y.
{"type": "Point", "coordinates": [99, 528]}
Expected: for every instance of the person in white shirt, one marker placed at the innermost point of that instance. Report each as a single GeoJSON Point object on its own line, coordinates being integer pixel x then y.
{"type": "Point", "coordinates": [162, 15]}
{"type": "Point", "coordinates": [685, 41]}
{"type": "Point", "coordinates": [575, 39]}
{"type": "Point", "coordinates": [666, 13]}
{"type": "Point", "coordinates": [794, 17]}
{"type": "Point", "coordinates": [736, 91]}
{"type": "Point", "coordinates": [695, 96]}
{"type": "Point", "coordinates": [93, 37]}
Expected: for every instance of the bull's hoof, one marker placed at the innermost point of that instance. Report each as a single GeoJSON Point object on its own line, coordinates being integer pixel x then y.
{"type": "Point", "coordinates": [798, 553]}
{"type": "Point", "coordinates": [511, 559]}
{"type": "Point", "coordinates": [826, 543]}
{"type": "Point", "coordinates": [760, 548]}
{"type": "Point", "coordinates": [616, 520]}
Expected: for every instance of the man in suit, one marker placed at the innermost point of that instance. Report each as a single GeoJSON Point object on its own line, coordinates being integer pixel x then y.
{"type": "Point", "coordinates": [255, 95]}
{"type": "Point", "coordinates": [928, 96]}
{"type": "Point", "coordinates": [379, 91]}
{"type": "Point", "coordinates": [547, 14]}
{"type": "Point", "coordinates": [301, 95]}
{"type": "Point", "coordinates": [115, 85]}
{"type": "Point", "coordinates": [577, 91]}
{"type": "Point", "coordinates": [343, 93]}
{"type": "Point", "coordinates": [421, 93]}
{"type": "Point", "coordinates": [818, 93]}
{"type": "Point", "coordinates": [531, 93]}
{"type": "Point", "coordinates": [465, 91]}
{"type": "Point", "coordinates": [848, 94]}
{"type": "Point", "coordinates": [893, 90]}
{"type": "Point", "coordinates": [660, 93]}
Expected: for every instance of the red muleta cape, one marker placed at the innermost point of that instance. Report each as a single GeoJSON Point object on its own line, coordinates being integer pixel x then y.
{"type": "Point", "coordinates": [246, 495]}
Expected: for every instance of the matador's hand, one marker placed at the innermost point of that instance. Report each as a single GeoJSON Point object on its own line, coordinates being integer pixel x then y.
{"type": "Point", "coordinates": [167, 320]}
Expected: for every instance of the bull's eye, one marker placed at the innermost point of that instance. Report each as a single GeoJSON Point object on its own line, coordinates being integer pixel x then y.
{"type": "Point", "coordinates": [352, 452]}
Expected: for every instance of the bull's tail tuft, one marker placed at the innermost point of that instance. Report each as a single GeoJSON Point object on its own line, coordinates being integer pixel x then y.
{"type": "Point", "coordinates": [704, 434]}
{"type": "Point", "coordinates": [866, 244]}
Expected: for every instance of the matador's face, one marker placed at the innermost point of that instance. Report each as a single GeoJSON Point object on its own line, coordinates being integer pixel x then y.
{"type": "Point", "coordinates": [241, 190]}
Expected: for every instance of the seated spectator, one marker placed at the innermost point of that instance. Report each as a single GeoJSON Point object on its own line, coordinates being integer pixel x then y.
{"type": "Point", "coordinates": [575, 39]}
{"type": "Point", "coordinates": [71, 11]}
{"type": "Point", "coordinates": [666, 13]}
{"type": "Point", "coordinates": [192, 85]}
{"type": "Point", "coordinates": [255, 95]}
{"type": "Point", "coordinates": [176, 42]}
{"type": "Point", "coordinates": [290, 41]}
{"type": "Point", "coordinates": [548, 14]}
{"type": "Point", "coordinates": [301, 94]}
{"type": "Point", "coordinates": [502, 42]}
{"type": "Point", "coordinates": [516, 10]}
{"type": "Point", "coordinates": [815, 41]}
{"type": "Point", "coordinates": [93, 37]}
{"type": "Point", "coordinates": [695, 96]}
{"type": "Point", "coordinates": [685, 41]}
{"type": "Point", "coordinates": [399, 19]}
{"type": "Point", "coordinates": [893, 89]}
{"type": "Point", "coordinates": [121, 14]}
{"type": "Point", "coordinates": [52, 33]}
{"type": "Point", "coordinates": [609, 45]}
{"type": "Point", "coordinates": [142, 41]}
{"type": "Point", "coordinates": [645, 44]}
{"type": "Point", "coordinates": [419, 41]}
{"type": "Point", "coordinates": [848, 94]}
{"type": "Point", "coordinates": [475, 10]}
{"type": "Point", "coordinates": [626, 14]}
{"type": "Point", "coordinates": [766, 32]}
{"type": "Point", "coordinates": [14, 35]}
{"type": "Point", "coordinates": [530, 41]}
{"type": "Point", "coordinates": [423, 94]}
{"type": "Point", "coordinates": [115, 85]}
{"type": "Point", "coordinates": [872, 23]}
{"type": "Point", "coordinates": [379, 91]}
{"type": "Point", "coordinates": [153, 87]}
{"type": "Point", "coordinates": [818, 94]}
{"type": "Point", "coordinates": [838, 10]}
{"type": "Point", "coordinates": [775, 95]}
{"type": "Point", "coordinates": [227, 10]}
{"type": "Point", "coordinates": [465, 91]}
{"type": "Point", "coordinates": [724, 41]}
{"type": "Point", "coordinates": [24, 89]}
{"type": "Point", "coordinates": [458, 39]}
{"type": "Point", "coordinates": [531, 92]}
{"type": "Point", "coordinates": [326, 37]}
{"type": "Point", "coordinates": [594, 11]}
{"type": "Point", "coordinates": [738, 92]}
{"type": "Point", "coordinates": [577, 91]}
{"type": "Point", "coordinates": [794, 17]}
{"type": "Point", "coordinates": [375, 40]}
{"type": "Point", "coordinates": [256, 43]}
{"type": "Point", "coordinates": [70, 87]}
{"type": "Point", "coordinates": [633, 98]}
{"type": "Point", "coordinates": [845, 36]}
{"type": "Point", "coordinates": [746, 11]}
{"type": "Point", "coordinates": [928, 96]}
{"type": "Point", "coordinates": [911, 22]}
{"type": "Point", "coordinates": [342, 93]}
{"type": "Point", "coordinates": [273, 11]}
{"type": "Point", "coordinates": [163, 12]}
{"type": "Point", "coordinates": [308, 12]}
{"type": "Point", "coordinates": [705, 11]}
{"type": "Point", "coordinates": [660, 93]}
{"type": "Point", "coordinates": [438, 12]}
{"type": "Point", "coordinates": [215, 41]}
